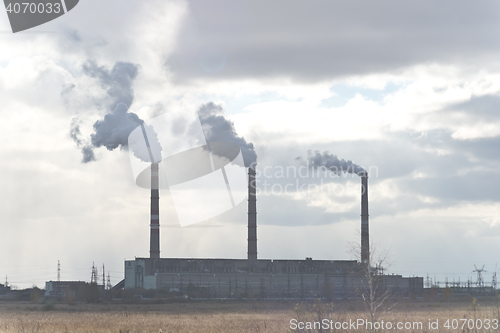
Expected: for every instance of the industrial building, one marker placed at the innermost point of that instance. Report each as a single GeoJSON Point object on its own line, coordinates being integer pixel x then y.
{"type": "Point", "coordinates": [253, 277]}
{"type": "Point", "coordinates": [4, 289]}
{"type": "Point", "coordinates": [62, 288]}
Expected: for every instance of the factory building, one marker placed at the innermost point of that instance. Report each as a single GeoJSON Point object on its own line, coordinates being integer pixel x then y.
{"type": "Point", "coordinates": [233, 278]}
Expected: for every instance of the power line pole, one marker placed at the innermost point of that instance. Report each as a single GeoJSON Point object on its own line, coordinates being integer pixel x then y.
{"type": "Point", "coordinates": [93, 277]}
{"type": "Point", "coordinates": [428, 283]}
{"type": "Point", "coordinates": [109, 281]}
{"type": "Point", "coordinates": [103, 278]}
{"type": "Point", "coordinates": [494, 279]}
{"type": "Point", "coordinates": [479, 282]}
{"type": "Point", "coordinates": [58, 271]}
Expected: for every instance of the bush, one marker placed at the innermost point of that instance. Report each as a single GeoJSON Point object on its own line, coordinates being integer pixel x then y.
{"type": "Point", "coordinates": [49, 306]}
{"type": "Point", "coordinates": [35, 295]}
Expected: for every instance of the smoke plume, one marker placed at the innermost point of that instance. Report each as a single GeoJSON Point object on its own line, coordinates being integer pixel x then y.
{"type": "Point", "coordinates": [117, 81]}
{"type": "Point", "coordinates": [114, 129]}
{"type": "Point", "coordinates": [331, 162]}
{"type": "Point", "coordinates": [217, 128]}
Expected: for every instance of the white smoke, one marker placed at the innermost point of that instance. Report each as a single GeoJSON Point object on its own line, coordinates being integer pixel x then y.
{"type": "Point", "coordinates": [217, 128]}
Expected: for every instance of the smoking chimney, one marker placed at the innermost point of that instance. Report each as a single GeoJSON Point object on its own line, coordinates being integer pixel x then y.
{"type": "Point", "coordinates": [365, 236]}
{"type": "Point", "coordinates": [154, 241]}
{"type": "Point", "coordinates": [252, 215]}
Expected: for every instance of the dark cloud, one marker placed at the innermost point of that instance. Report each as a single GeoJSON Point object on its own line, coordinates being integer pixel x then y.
{"type": "Point", "coordinates": [478, 107]}
{"type": "Point", "coordinates": [326, 39]}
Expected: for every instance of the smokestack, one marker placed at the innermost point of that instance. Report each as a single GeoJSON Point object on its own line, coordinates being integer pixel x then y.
{"type": "Point", "coordinates": [365, 236]}
{"type": "Point", "coordinates": [252, 215]}
{"type": "Point", "coordinates": [154, 241]}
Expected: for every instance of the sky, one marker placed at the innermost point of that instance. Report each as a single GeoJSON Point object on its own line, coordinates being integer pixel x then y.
{"type": "Point", "coordinates": [408, 90]}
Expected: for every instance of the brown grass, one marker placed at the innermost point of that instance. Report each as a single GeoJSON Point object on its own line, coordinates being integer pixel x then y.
{"type": "Point", "coordinates": [227, 316]}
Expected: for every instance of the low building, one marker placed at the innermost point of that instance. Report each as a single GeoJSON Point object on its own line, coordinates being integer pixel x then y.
{"type": "Point", "coordinates": [4, 289]}
{"type": "Point", "coordinates": [62, 288]}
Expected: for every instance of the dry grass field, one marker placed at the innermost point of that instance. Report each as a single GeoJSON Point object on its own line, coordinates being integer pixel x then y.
{"type": "Point", "coordinates": [237, 316]}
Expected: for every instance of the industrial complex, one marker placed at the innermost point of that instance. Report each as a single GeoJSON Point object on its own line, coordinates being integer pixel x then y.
{"type": "Point", "coordinates": [254, 277]}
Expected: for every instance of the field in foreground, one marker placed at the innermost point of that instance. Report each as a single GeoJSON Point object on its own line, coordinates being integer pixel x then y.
{"type": "Point", "coordinates": [250, 316]}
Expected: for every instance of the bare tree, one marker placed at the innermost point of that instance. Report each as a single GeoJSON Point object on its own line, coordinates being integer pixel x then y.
{"type": "Point", "coordinates": [373, 287]}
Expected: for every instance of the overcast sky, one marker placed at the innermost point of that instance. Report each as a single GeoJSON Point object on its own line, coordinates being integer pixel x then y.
{"type": "Point", "coordinates": [408, 89]}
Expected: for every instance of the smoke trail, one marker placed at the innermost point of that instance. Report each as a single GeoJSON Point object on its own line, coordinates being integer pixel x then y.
{"type": "Point", "coordinates": [88, 153]}
{"type": "Point", "coordinates": [331, 162]}
{"type": "Point", "coordinates": [217, 128]}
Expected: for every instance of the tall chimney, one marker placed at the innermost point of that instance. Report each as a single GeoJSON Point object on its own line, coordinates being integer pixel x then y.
{"type": "Point", "coordinates": [365, 236]}
{"type": "Point", "coordinates": [154, 240]}
{"type": "Point", "coordinates": [252, 215]}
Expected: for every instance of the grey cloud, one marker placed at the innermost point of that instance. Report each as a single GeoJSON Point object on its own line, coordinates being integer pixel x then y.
{"type": "Point", "coordinates": [327, 39]}
{"type": "Point", "coordinates": [474, 186]}
{"type": "Point", "coordinates": [297, 213]}
{"type": "Point", "coordinates": [475, 112]}
{"type": "Point", "coordinates": [483, 108]}
{"type": "Point", "coordinates": [72, 35]}
{"type": "Point", "coordinates": [486, 149]}
{"type": "Point", "coordinates": [67, 89]}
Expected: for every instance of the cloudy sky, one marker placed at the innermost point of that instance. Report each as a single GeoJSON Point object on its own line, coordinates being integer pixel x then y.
{"type": "Point", "coordinates": [408, 90]}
